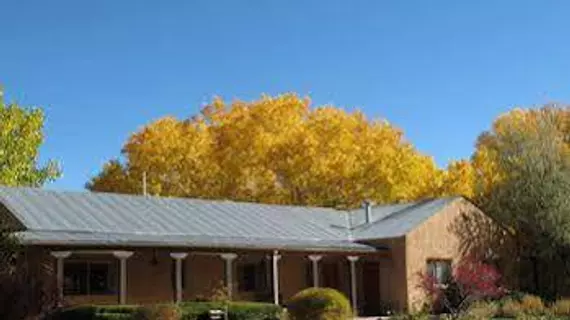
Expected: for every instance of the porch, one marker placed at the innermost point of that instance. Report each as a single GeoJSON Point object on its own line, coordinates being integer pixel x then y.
{"type": "Point", "coordinates": [148, 275]}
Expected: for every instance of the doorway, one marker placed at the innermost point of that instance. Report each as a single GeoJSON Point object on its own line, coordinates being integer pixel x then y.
{"type": "Point", "coordinates": [371, 288]}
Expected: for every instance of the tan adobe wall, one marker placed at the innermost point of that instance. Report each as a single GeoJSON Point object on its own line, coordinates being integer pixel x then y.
{"type": "Point", "coordinates": [204, 273]}
{"type": "Point", "coordinates": [150, 276]}
{"type": "Point", "coordinates": [440, 237]}
{"type": "Point", "coordinates": [393, 291]}
{"type": "Point", "coordinates": [292, 275]}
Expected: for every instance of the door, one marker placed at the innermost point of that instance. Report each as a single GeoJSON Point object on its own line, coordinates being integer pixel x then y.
{"type": "Point", "coordinates": [371, 288]}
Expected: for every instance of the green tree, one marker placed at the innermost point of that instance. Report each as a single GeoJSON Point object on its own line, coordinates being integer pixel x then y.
{"type": "Point", "coordinates": [23, 294]}
{"type": "Point", "coordinates": [530, 192]}
{"type": "Point", "coordinates": [20, 139]}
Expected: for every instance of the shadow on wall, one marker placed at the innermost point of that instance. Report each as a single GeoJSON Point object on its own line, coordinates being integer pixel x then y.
{"type": "Point", "coordinates": [480, 237]}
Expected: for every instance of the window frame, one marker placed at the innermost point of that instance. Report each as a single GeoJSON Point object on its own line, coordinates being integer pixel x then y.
{"type": "Point", "coordinates": [432, 266]}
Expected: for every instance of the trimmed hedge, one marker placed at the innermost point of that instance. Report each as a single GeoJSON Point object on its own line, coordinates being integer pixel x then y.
{"type": "Point", "coordinates": [186, 311]}
{"type": "Point", "coordinates": [319, 304]}
{"type": "Point", "coordinates": [236, 310]}
{"type": "Point", "coordinates": [96, 313]}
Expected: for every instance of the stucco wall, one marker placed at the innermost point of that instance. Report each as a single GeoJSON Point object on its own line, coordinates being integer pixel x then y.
{"type": "Point", "coordinates": [292, 275]}
{"type": "Point", "coordinates": [149, 278]}
{"type": "Point", "coordinates": [393, 289]}
{"type": "Point", "coordinates": [204, 274]}
{"type": "Point", "coordinates": [436, 238]}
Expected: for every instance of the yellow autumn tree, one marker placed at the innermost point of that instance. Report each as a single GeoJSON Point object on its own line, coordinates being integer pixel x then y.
{"type": "Point", "coordinates": [275, 150]}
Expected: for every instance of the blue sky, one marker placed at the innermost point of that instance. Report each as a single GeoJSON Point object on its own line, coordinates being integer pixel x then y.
{"type": "Point", "coordinates": [440, 70]}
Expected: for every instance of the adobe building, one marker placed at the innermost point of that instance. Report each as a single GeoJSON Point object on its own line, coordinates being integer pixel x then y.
{"type": "Point", "coordinates": [111, 248]}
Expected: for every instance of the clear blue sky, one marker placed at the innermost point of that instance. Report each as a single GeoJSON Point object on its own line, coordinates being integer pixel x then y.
{"type": "Point", "coordinates": [440, 70]}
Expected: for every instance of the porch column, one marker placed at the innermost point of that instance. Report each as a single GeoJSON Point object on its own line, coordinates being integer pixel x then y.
{"type": "Point", "coordinates": [275, 260]}
{"type": "Point", "coordinates": [353, 291]}
{"type": "Point", "coordinates": [229, 257]}
{"type": "Point", "coordinates": [123, 256]}
{"type": "Point", "coordinates": [178, 257]}
{"type": "Point", "coordinates": [315, 262]}
{"type": "Point", "coordinates": [59, 256]}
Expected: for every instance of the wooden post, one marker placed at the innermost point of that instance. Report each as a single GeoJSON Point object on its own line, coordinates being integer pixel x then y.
{"type": "Point", "coordinates": [275, 260]}
{"type": "Point", "coordinates": [123, 256]}
{"type": "Point", "coordinates": [353, 290]}
{"type": "Point", "coordinates": [315, 262]}
{"type": "Point", "coordinates": [178, 257]}
{"type": "Point", "coordinates": [60, 256]}
{"type": "Point", "coordinates": [229, 258]}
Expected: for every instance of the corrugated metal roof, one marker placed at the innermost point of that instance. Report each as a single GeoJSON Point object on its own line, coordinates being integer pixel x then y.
{"type": "Point", "coordinates": [79, 218]}
{"type": "Point", "coordinates": [399, 222]}
{"type": "Point", "coordinates": [378, 212]}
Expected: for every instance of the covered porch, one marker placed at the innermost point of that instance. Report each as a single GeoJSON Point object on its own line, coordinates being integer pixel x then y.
{"type": "Point", "coordinates": [153, 275]}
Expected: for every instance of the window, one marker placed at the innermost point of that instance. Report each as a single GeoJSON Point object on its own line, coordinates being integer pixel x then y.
{"type": "Point", "coordinates": [89, 278]}
{"type": "Point", "coordinates": [252, 276]}
{"type": "Point", "coordinates": [439, 270]}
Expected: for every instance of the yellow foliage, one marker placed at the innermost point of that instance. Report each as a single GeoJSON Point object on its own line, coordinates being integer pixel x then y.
{"type": "Point", "coordinates": [279, 150]}
{"type": "Point", "coordinates": [561, 307]}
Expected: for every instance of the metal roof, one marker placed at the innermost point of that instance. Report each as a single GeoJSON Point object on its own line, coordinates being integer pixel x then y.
{"type": "Point", "coordinates": [90, 218]}
{"type": "Point", "coordinates": [399, 220]}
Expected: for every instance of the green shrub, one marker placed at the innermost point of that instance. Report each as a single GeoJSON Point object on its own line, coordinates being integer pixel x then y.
{"type": "Point", "coordinates": [96, 313]}
{"type": "Point", "coordinates": [157, 312]}
{"type": "Point", "coordinates": [532, 305]}
{"type": "Point", "coordinates": [319, 304]}
{"type": "Point", "coordinates": [184, 311]}
{"type": "Point", "coordinates": [561, 307]}
{"type": "Point", "coordinates": [119, 309]}
{"type": "Point", "coordinates": [236, 310]}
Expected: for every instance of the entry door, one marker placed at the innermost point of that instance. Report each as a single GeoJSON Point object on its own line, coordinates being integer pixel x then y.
{"type": "Point", "coordinates": [371, 288]}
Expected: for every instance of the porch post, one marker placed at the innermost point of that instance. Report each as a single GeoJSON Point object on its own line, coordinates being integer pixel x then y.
{"type": "Point", "coordinates": [315, 262]}
{"type": "Point", "coordinates": [178, 257]}
{"type": "Point", "coordinates": [275, 260]}
{"type": "Point", "coordinates": [59, 256]}
{"type": "Point", "coordinates": [353, 291]}
{"type": "Point", "coordinates": [229, 258]}
{"type": "Point", "coordinates": [123, 256]}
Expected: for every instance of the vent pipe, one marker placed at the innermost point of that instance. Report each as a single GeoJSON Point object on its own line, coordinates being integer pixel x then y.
{"type": "Point", "coordinates": [144, 184]}
{"type": "Point", "coordinates": [367, 211]}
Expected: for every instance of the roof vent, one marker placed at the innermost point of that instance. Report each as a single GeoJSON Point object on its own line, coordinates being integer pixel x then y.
{"type": "Point", "coordinates": [367, 211]}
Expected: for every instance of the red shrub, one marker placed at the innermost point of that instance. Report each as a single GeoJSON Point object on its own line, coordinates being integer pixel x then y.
{"type": "Point", "coordinates": [471, 280]}
{"type": "Point", "coordinates": [477, 279]}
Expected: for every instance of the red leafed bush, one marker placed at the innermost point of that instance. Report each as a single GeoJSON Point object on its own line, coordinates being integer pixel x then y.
{"type": "Point", "coordinates": [471, 281]}
{"type": "Point", "coordinates": [477, 279]}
